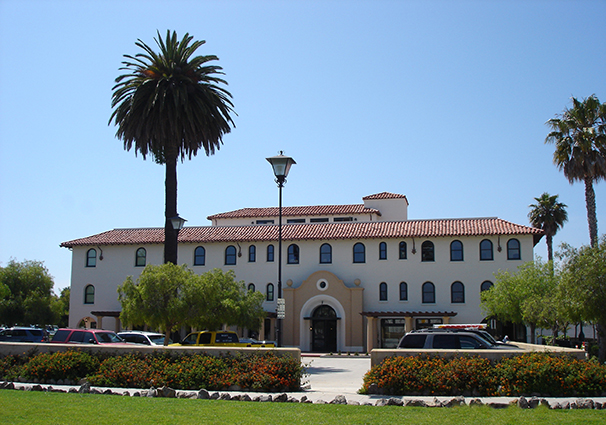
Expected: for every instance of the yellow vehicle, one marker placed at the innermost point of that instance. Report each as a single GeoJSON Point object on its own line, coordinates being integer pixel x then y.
{"type": "Point", "coordinates": [220, 339]}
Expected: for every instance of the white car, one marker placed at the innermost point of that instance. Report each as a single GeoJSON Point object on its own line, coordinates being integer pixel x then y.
{"type": "Point", "coordinates": [142, 337]}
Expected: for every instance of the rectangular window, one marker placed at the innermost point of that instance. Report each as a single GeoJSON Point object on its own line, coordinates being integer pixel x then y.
{"type": "Point", "coordinates": [337, 219]}
{"type": "Point", "coordinates": [295, 220]}
{"type": "Point", "coordinates": [264, 222]}
{"type": "Point", "coordinates": [392, 330]}
{"type": "Point", "coordinates": [318, 220]}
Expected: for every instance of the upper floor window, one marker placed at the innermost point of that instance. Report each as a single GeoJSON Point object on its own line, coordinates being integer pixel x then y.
{"type": "Point", "coordinates": [269, 292]}
{"type": "Point", "coordinates": [457, 293]}
{"type": "Point", "coordinates": [318, 220]}
{"type": "Point", "coordinates": [486, 250]}
{"type": "Point", "coordinates": [293, 254]}
{"type": "Point", "coordinates": [513, 249]}
{"type": "Point", "coordinates": [427, 251]}
{"type": "Point", "coordinates": [295, 220]}
{"type": "Point", "coordinates": [89, 294]}
{"type": "Point", "coordinates": [325, 254]}
{"type": "Point", "coordinates": [383, 291]}
{"type": "Point", "coordinates": [252, 254]}
{"type": "Point", "coordinates": [429, 293]}
{"type": "Point", "coordinates": [403, 291]}
{"type": "Point", "coordinates": [359, 253]}
{"type": "Point", "coordinates": [91, 257]}
{"type": "Point", "coordinates": [199, 256]}
{"type": "Point", "coordinates": [230, 256]}
{"type": "Point", "coordinates": [251, 287]}
{"type": "Point", "coordinates": [382, 251]}
{"type": "Point", "coordinates": [402, 250]}
{"type": "Point", "coordinates": [270, 253]}
{"type": "Point", "coordinates": [486, 285]}
{"type": "Point", "coordinates": [140, 257]}
{"type": "Point", "coordinates": [264, 222]}
{"type": "Point", "coordinates": [456, 251]}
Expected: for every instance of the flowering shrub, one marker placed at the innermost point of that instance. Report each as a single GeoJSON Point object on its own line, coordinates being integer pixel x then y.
{"type": "Point", "coordinates": [527, 374]}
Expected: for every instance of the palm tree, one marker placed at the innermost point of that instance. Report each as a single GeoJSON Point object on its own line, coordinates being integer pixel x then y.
{"type": "Point", "coordinates": [579, 135]}
{"type": "Point", "coordinates": [170, 105]}
{"type": "Point", "coordinates": [549, 215]}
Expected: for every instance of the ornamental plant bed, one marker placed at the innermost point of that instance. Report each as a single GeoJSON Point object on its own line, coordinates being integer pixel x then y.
{"type": "Point", "coordinates": [529, 374]}
{"type": "Point", "coordinates": [252, 371]}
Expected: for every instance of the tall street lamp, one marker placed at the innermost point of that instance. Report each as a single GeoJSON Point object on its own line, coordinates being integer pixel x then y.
{"type": "Point", "coordinates": [177, 223]}
{"type": "Point", "coordinates": [281, 165]}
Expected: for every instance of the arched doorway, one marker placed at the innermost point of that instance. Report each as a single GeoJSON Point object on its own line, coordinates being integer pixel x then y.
{"type": "Point", "coordinates": [324, 329]}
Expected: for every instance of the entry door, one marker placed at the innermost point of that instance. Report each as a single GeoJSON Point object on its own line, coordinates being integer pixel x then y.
{"type": "Point", "coordinates": [324, 330]}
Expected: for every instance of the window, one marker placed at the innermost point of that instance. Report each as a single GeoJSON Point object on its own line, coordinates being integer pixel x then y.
{"type": "Point", "coordinates": [89, 294]}
{"type": "Point", "coordinates": [359, 253]}
{"type": "Point", "coordinates": [140, 257]}
{"type": "Point", "coordinates": [295, 220]}
{"type": "Point", "coordinates": [269, 292]}
{"type": "Point", "coordinates": [427, 251]}
{"type": "Point", "coordinates": [403, 291]}
{"type": "Point", "coordinates": [230, 256]}
{"type": "Point", "coordinates": [199, 256]}
{"type": "Point", "coordinates": [251, 287]}
{"type": "Point", "coordinates": [429, 293]}
{"type": "Point", "coordinates": [457, 293]}
{"type": "Point", "coordinates": [513, 249]}
{"type": "Point", "coordinates": [270, 253]}
{"type": "Point", "coordinates": [383, 291]}
{"type": "Point", "coordinates": [485, 286]}
{"type": "Point", "coordinates": [325, 254]}
{"type": "Point", "coordinates": [402, 250]}
{"type": "Point", "coordinates": [264, 222]}
{"type": "Point", "coordinates": [382, 251]}
{"type": "Point", "coordinates": [293, 254]}
{"type": "Point", "coordinates": [486, 250]}
{"type": "Point", "coordinates": [252, 254]}
{"type": "Point", "coordinates": [318, 220]}
{"type": "Point", "coordinates": [91, 257]}
{"type": "Point", "coordinates": [456, 251]}
{"type": "Point", "coordinates": [338, 219]}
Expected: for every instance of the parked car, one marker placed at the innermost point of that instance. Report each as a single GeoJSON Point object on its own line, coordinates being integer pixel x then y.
{"type": "Point", "coordinates": [23, 334]}
{"type": "Point", "coordinates": [86, 336]}
{"type": "Point", "coordinates": [220, 338]}
{"type": "Point", "coordinates": [480, 332]}
{"type": "Point", "coordinates": [449, 340]}
{"type": "Point", "coordinates": [141, 337]}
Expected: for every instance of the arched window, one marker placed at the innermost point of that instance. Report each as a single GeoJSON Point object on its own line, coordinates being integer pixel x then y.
{"type": "Point", "coordinates": [325, 254]}
{"type": "Point", "coordinates": [457, 293]}
{"type": "Point", "coordinates": [486, 285]}
{"type": "Point", "coordinates": [230, 256]}
{"type": "Point", "coordinates": [456, 251]}
{"type": "Point", "coordinates": [140, 257]}
{"type": "Point", "coordinates": [89, 294]}
{"type": "Point", "coordinates": [199, 256]}
{"type": "Point", "coordinates": [270, 253]}
{"type": "Point", "coordinates": [252, 254]}
{"type": "Point", "coordinates": [293, 254]}
{"type": "Point", "coordinates": [486, 250]}
{"type": "Point", "coordinates": [429, 293]}
{"type": "Point", "coordinates": [382, 251]}
{"type": "Point", "coordinates": [251, 287]}
{"type": "Point", "coordinates": [383, 291]}
{"type": "Point", "coordinates": [91, 257]}
{"type": "Point", "coordinates": [427, 251]}
{"type": "Point", "coordinates": [513, 249]}
{"type": "Point", "coordinates": [269, 292]}
{"type": "Point", "coordinates": [359, 253]}
{"type": "Point", "coordinates": [403, 291]}
{"type": "Point", "coordinates": [402, 250]}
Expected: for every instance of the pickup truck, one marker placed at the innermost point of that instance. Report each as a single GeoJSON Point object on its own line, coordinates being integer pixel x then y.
{"type": "Point", "coordinates": [219, 339]}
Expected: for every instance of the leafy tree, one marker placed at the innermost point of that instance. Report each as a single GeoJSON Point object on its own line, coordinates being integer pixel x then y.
{"type": "Point", "coordinates": [549, 215]}
{"type": "Point", "coordinates": [579, 135]}
{"type": "Point", "coordinates": [584, 287]}
{"type": "Point", "coordinates": [27, 294]}
{"type": "Point", "coordinates": [528, 296]}
{"type": "Point", "coordinates": [170, 105]}
{"type": "Point", "coordinates": [60, 307]}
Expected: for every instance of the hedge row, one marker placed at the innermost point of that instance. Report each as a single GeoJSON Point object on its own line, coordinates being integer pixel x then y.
{"type": "Point", "coordinates": [251, 371]}
{"type": "Point", "coordinates": [540, 374]}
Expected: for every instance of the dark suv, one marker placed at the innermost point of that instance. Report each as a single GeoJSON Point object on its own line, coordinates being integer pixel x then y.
{"type": "Point", "coordinates": [446, 340]}
{"type": "Point", "coordinates": [86, 336]}
{"type": "Point", "coordinates": [23, 334]}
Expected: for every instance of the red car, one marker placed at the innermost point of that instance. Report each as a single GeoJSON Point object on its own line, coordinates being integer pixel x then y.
{"type": "Point", "coordinates": [86, 336]}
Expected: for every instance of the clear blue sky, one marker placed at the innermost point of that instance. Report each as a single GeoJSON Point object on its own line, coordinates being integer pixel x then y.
{"type": "Point", "coordinates": [442, 101]}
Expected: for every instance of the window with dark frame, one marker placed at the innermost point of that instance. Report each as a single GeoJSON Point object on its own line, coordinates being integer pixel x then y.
{"type": "Point", "coordinates": [269, 292]}
{"type": "Point", "coordinates": [486, 250]}
{"type": "Point", "coordinates": [89, 294]}
{"type": "Point", "coordinates": [199, 256]}
{"type": "Point", "coordinates": [403, 291]}
{"type": "Point", "coordinates": [513, 249]}
{"type": "Point", "coordinates": [325, 254]}
{"type": "Point", "coordinates": [251, 287]}
{"type": "Point", "coordinates": [457, 293]}
{"type": "Point", "coordinates": [456, 251]}
{"type": "Point", "coordinates": [427, 251]}
{"type": "Point", "coordinates": [270, 253]}
{"type": "Point", "coordinates": [402, 250]}
{"type": "Point", "coordinates": [230, 256]}
{"type": "Point", "coordinates": [293, 254]}
{"type": "Point", "coordinates": [486, 285]}
{"type": "Point", "coordinates": [429, 293]}
{"type": "Point", "coordinates": [252, 254]}
{"type": "Point", "coordinates": [91, 258]}
{"type": "Point", "coordinates": [383, 291]}
{"type": "Point", "coordinates": [359, 253]}
{"type": "Point", "coordinates": [140, 257]}
{"type": "Point", "coordinates": [382, 251]}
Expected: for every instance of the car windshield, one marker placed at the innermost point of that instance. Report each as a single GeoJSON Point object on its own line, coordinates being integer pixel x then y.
{"type": "Point", "coordinates": [158, 339]}
{"type": "Point", "coordinates": [105, 337]}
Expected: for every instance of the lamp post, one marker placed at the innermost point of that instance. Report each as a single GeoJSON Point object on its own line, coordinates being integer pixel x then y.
{"type": "Point", "coordinates": [281, 165]}
{"type": "Point", "coordinates": [177, 224]}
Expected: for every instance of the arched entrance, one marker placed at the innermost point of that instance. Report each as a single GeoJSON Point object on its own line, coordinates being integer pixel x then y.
{"type": "Point", "coordinates": [324, 329]}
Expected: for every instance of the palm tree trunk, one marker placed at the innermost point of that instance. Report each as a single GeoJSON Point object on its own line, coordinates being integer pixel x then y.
{"type": "Point", "coordinates": [592, 218]}
{"type": "Point", "coordinates": [549, 240]}
{"type": "Point", "coordinates": [170, 185]}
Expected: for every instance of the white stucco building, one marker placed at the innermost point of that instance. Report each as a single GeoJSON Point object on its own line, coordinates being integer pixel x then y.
{"type": "Point", "coordinates": [354, 277]}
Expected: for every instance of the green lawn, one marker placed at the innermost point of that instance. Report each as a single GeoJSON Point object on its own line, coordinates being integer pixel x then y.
{"type": "Point", "coordinates": [31, 408]}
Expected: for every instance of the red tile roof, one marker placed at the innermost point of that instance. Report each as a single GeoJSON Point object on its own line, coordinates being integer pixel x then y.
{"type": "Point", "coordinates": [384, 195]}
{"type": "Point", "coordinates": [316, 231]}
{"type": "Point", "coordinates": [297, 211]}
